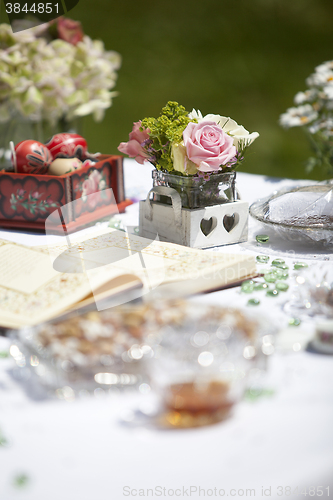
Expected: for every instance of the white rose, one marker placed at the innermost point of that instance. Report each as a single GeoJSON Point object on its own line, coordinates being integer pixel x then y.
{"type": "Point", "coordinates": [181, 163]}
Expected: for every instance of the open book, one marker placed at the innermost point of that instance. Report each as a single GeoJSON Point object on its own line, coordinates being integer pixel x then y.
{"type": "Point", "coordinates": [40, 283]}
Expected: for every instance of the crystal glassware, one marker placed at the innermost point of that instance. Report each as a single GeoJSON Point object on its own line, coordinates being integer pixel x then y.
{"type": "Point", "coordinates": [201, 366]}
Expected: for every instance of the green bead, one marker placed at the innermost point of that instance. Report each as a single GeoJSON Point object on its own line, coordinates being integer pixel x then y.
{"type": "Point", "coordinates": [260, 286]}
{"type": "Point", "coordinates": [3, 441]}
{"type": "Point", "coordinates": [247, 286]}
{"type": "Point", "coordinates": [262, 259]}
{"type": "Point", "coordinates": [278, 262]}
{"type": "Point", "coordinates": [300, 265]}
{"type": "Point", "coordinates": [281, 274]}
{"type": "Point", "coordinates": [282, 287]}
{"type": "Point", "coordinates": [284, 267]}
{"type": "Point", "coordinates": [272, 293]}
{"type": "Point", "coordinates": [262, 238]}
{"type": "Point", "coordinates": [253, 302]}
{"type": "Point", "coordinates": [294, 322]}
{"type": "Point", "coordinates": [270, 277]}
{"type": "Point", "coordinates": [136, 230]}
{"type": "Point", "coordinates": [114, 223]}
{"type": "Point", "coordinates": [21, 480]}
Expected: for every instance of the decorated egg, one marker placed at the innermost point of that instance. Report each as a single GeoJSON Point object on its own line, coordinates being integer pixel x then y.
{"type": "Point", "coordinates": [31, 157]}
{"type": "Point", "coordinates": [62, 166]}
{"type": "Point", "coordinates": [67, 146]}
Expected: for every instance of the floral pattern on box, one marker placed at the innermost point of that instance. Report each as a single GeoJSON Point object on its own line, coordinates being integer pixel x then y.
{"type": "Point", "coordinates": [91, 189]}
{"type": "Point", "coordinates": [28, 198]}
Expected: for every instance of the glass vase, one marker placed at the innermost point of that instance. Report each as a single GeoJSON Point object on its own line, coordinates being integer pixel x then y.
{"type": "Point", "coordinates": [197, 192]}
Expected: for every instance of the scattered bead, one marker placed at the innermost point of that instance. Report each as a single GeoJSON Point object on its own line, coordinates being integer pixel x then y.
{"type": "Point", "coordinates": [270, 277]}
{"type": "Point", "coordinates": [281, 286]}
{"type": "Point", "coordinates": [260, 286]}
{"type": "Point", "coordinates": [272, 293]}
{"type": "Point", "coordinates": [278, 262]}
{"type": "Point", "coordinates": [3, 441]}
{"type": "Point", "coordinates": [262, 238]}
{"type": "Point", "coordinates": [284, 267]}
{"type": "Point", "coordinates": [136, 230]}
{"type": "Point", "coordinates": [262, 259]}
{"type": "Point", "coordinates": [294, 322]}
{"type": "Point", "coordinates": [21, 480]}
{"type": "Point", "coordinates": [281, 274]}
{"type": "Point", "coordinates": [253, 302]}
{"type": "Point", "coordinates": [300, 265]}
{"type": "Point", "coordinates": [247, 286]}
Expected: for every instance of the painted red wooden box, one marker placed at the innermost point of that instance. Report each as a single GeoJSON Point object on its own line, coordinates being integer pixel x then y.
{"type": "Point", "coordinates": [27, 200]}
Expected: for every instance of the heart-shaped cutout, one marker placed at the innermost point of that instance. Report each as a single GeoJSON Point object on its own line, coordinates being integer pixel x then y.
{"type": "Point", "coordinates": [230, 222]}
{"type": "Point", "coordinates": [207, 226]}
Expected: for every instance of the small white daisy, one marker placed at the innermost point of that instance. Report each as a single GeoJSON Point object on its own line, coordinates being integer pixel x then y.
{"type": "Point", "coordinates": [296, 117]}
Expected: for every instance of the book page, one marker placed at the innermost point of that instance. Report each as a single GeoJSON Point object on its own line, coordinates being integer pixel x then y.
{"type": "Point", "coordinates": [23, 269]}
{"type": "Point", "coordinates": [66, 274]}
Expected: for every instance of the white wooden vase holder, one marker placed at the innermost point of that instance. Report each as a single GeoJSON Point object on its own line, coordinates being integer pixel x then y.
{"type": "Point", "coordinates": [217, 225]}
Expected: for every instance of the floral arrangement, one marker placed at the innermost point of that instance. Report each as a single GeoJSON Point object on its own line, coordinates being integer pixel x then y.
{"type": "Point", "coordinates": [186, 143]}
{"type": "Point", "coordinates": [54, 71]}
{"type": "Point", "coordinates": [314, 112]}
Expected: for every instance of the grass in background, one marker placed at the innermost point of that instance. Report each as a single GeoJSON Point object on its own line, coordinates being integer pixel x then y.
{"type": "Point", "coordinates": [245, 59]}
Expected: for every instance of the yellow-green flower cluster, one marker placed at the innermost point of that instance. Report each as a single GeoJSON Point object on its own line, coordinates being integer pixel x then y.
{"type": "Point", "coordinates": [166, 130]}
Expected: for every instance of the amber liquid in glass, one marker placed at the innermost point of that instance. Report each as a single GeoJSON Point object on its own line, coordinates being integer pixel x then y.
{"type": "Point", "coordinates": [192, 405]}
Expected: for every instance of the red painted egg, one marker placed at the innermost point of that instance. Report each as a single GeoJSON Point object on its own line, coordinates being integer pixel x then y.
{"type": "Point", "coordinates": [67, 146]}
{"type": "Point", "coordinates": [32, 157]}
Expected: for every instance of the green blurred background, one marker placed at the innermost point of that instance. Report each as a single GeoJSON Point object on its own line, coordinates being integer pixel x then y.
{"type": "Point", "coordinates": [240, 58]}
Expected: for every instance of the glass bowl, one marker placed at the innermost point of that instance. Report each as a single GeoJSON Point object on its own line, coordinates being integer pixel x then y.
{"type": "Point", "coordinates": [302, 214]}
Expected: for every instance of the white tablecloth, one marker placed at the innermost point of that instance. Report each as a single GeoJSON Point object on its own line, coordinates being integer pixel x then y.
{"type": "Point", "coordinates": [90, 448]}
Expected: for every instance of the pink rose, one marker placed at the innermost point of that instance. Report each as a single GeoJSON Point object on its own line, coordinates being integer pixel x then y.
{"type": "Point", "coordinates": [208, 146]}
{"type": "Point", "coordinates": [90, 188]}
{"type": "Point", "coordinates": [69, 30]}
{"type": "Point", "coordinates": [134, 147]}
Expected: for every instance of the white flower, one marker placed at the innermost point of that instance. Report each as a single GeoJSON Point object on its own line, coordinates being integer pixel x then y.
{"type": "Point", "coordinates": [296, 117]}
{"type": "Point", "coordinates": [320, 78]}
{"type": "Point", "coordinates": [328, 91]}
{"type": "Point", "coordinates": [181, 163]}
{"type": "Point", "coordinates": [303, 97]}
{"type": "Point", "coordinates": [94, 106]}
{"type": "Point", "coordinates": [328, 65]}
{"type": "Point", "coordinates": [195, 115]}
{"type": "Point", "coordinates": [325, 126]}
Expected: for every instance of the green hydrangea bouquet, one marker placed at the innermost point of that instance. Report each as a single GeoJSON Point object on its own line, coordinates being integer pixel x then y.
{"type": "Point", "coordinates": [54, 71]}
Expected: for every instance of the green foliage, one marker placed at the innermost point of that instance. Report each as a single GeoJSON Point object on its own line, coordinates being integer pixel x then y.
{"type": "Point", "coordinates": [323, 149]}
{"type": "Point", "coordinates": [245, 59]}
{"type": "Point", "coordinates": [166, 130]}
